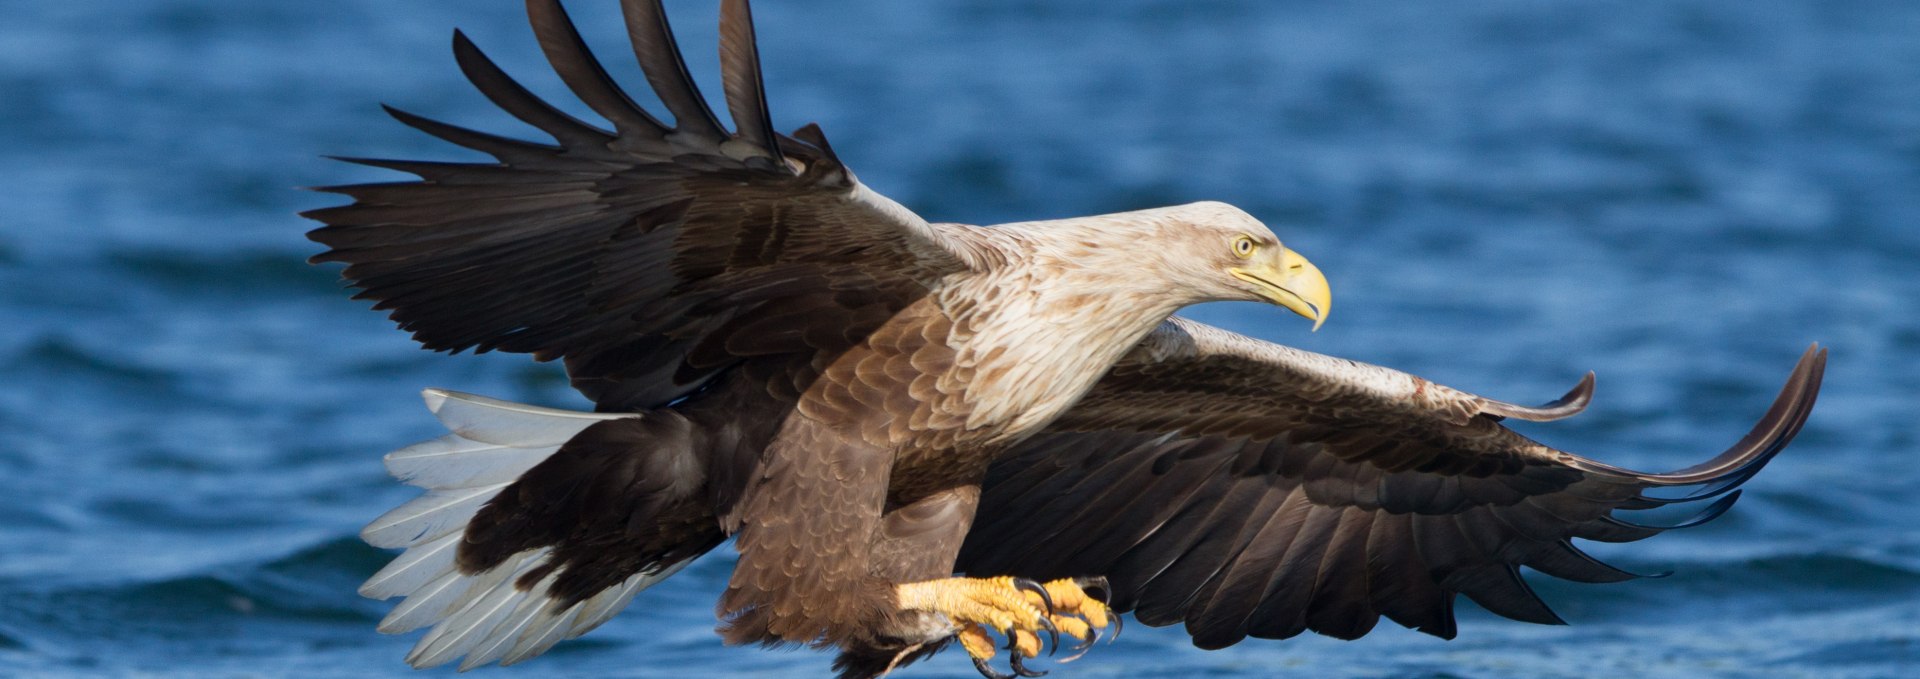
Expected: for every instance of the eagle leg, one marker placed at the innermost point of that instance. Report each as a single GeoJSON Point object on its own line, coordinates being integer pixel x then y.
{"type": "Point", "coordinates": [1016, 607]}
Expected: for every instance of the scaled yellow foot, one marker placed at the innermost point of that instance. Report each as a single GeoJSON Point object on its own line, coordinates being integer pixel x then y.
{"type": "Point", "coordinates": [1079, 614]}
{"type": "Point", "coordinates": [1017, 608]}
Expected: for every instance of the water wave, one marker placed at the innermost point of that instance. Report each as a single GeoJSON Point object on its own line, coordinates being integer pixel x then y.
{"type": "Point", "coordinates": [70, 360]}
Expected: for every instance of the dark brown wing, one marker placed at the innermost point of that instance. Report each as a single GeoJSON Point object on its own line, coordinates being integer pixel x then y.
{"type": "Point", "coordinates": [1250, 489]}
{"type": "Point", "coordinates": [649, 257]}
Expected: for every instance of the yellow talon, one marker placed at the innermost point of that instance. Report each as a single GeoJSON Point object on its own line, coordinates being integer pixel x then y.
{"type": "Point", "coordinates": [997, 603]}
{"type": "Point", "coordinates": [976, 641]}
{"type": "Point", "coordinates": [1017, 608]}
{"type": "Point", "coordinates": [1077, 614]}
{"type": "Point", "coordinates": [1024, 643]}
{"type": "Point", "coordinates": [1072, 626]}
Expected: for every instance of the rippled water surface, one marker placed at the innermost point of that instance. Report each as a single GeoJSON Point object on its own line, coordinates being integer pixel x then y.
{"type": "Point", "coordinates": [1505, 194]}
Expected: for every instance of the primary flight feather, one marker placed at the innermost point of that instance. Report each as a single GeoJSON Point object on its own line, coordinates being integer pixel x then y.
{"type": "Point", "coordinates": [917, 433]}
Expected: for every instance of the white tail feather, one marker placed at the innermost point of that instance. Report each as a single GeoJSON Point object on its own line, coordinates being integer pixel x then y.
{"type": "Point", "coordinates": [428, 517]}
{"type": "Point", "coordinates": [487, 616]}
{"type": "Point", "coordinates": [542, 634]}
{"type": "Point", "coordinates": [500, 640]}
{"type": "Point", "coordinates": [455, 462]}
{"type": "Point", "coordinates": [468, 626]}
{"type": "Point", "coordinates": [439, 600]}
{"type": "Point", "coordinates": [594, 616]}
{"type": "Point", "coordinates": [492, 420]}
{"type": "Point", "coordinates": [425, 605]}
{"type": "Point", "coordinates": [412, 570]}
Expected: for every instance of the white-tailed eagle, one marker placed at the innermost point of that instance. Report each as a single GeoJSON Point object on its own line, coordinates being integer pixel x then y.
{"type": "Point", "coordinates": [916, 433]}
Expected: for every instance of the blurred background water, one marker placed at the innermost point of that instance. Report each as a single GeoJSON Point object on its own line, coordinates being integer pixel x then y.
{"type": "Point", "coordinates": [1505, 194]}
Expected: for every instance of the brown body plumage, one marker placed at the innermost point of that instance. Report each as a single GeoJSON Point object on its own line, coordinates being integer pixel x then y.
{"type": "Point", "coordinates": [893, 438]}
{"type": "Point", "coordinates": [867, 401]}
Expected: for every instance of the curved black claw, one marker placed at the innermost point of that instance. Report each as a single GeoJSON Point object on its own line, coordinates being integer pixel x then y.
{"type": "Point", "coordinates": [1021, 669]}
{"type": "Point", "coordinates": [1026, 585]}
{"type": "Point", "coordinates": [1096, 587]}
{"type": "Point", "coordinates": [988, 671]}
{"type": "Point", "coordinates": [1093, 635]}
{"type": "Point", "coordinates": [1099, 588]}
{"type": "Point", "coordinates": [1053, 637]}
{"type": "Point", "coordinates": [1053, 634]}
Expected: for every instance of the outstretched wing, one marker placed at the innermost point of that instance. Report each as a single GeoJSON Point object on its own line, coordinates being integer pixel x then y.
{"type": "Point", "coordinates": [1250, 489]}
{"type": "Point", "coordinates": [649, 257]}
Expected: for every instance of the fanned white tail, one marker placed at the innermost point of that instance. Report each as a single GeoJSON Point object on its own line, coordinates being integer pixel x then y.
{"type": "Point", "coordinates": [483, 616]}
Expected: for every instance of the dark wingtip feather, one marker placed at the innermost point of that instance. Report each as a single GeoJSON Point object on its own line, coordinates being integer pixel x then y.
{"type": "Point", "coordinates": [384, 164]}
{"type": "Point", "coordinates": [1573, 403]}
{"type": "Point", "coordinates": [741, 79]}
{"type": "Point", "coordinates": [501, 148]}
{"type": "Point", "coordinates": [347, 190]}
{"type": "Point", "coordinates": [516, 100]}
{"type": "Point", "coordinates": [1782, 421]}
{"type": "Point", "coordinates": [426, 171]}
{"type": "Point", "coordinates": [1706, 514]}
{"type": "Point", "coordinates": [567, 52]}
{"type": "Point", "coordinates": [317, 214]}
{"type": "Point", "coordinates": [1565, 561]}
{"type": "Point", "coordinates": [319, 257]}
{"type": "Point", "coordinates": [666, 71]}
{"type": "Point", "coordinates": [369, 162]}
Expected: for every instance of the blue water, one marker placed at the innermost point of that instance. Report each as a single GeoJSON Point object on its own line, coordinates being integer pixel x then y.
{"type": "Point", "coordinates": [1504, 193]}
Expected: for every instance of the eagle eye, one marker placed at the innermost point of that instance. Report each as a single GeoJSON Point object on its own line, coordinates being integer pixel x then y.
{"type": "Point", "coordinates": [1243, 247]}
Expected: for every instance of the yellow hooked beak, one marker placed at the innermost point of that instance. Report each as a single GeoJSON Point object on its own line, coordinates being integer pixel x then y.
{"type": "Point", "coordinates": [1292, 282]}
